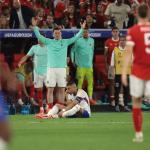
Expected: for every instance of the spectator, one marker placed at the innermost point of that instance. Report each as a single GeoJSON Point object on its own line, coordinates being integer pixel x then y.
{"type": "Point", "coordinates": [118, 12]}
{"type": "Point", "coordinates": [20, 16]}
{"type": "Point", "coordinates": [40, 16]}
{"type": "Point", "coordinates": [59, 8]}
{"type": "Point", "coordinates": [90, 21]}
{"type": "Point", "coordinates": [6, 11]}
{"type": "Point", "coordinates": [4, 24]}
{"type": "Point", "coordinates": [84, 5]}
{"type": "Point", "coordinates": [50, 21]}
{"type": "Point", "coordinates": [104, 4]}
{"type": "Point", "coordinates": [47, 6]}
{"type": "Point", "coordinates": [100, 17]}
{"type": "Point", "coordinates": [71, 15]}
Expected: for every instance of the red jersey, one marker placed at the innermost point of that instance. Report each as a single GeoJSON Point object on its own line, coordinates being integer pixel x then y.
{"type": "Point", "coordinates": [139, 37]}
{"type": "Point", "coordinates": [110, 44]}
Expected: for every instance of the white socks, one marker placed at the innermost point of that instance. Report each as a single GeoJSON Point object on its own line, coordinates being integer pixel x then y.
{"type": "Point", "coordinates": [53, 111]}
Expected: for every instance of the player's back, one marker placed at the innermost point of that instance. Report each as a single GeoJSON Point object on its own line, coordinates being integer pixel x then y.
{"type": "Point", "coordinates": [83, 100]}
{"type": "Point", "coordinates": [139, 36]}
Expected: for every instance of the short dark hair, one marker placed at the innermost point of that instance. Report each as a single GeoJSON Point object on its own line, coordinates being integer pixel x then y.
{"type": "Point", "coordinates": [143, 11]}
{"type": "Point", "coordinates": [56, 28]}
{"type": "Point", "coordinates": [71, 83]}
{"type": "Point", "coordinates": [114, 28]}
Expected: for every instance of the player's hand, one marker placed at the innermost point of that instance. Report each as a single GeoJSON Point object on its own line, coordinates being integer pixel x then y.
{"type": "Point", "coordinates": [19, 64]}
{"type": "Point", "coordinates": [60, 113]}
{"type": "Point", "coordinates": [34, 21]}
{"type": "Point", "coordinates": [124, 79]}
{"type": "Point", "coordinates": [83, 25]}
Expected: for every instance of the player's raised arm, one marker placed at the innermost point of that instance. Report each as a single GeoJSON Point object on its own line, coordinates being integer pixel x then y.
{"type": "Point", "coordinates": [40, 37]}
{"type": "Point", "coordinates": [78, 35]}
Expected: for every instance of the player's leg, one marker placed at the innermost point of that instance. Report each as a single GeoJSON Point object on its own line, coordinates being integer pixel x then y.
{"type": "Point", "coordinates": [32, 95]}
{"type": "Point", "coordinates": [111, 86]}
{"type": "Point", "coordinates": [61, 83]}
{"type": "Point", "coordinates": [89, 78]}
{"type": "Point", "coordinates": [80, 75]}
{"type": "Point", "coordinates": [61, 95]}
{"type": "Point", "coordinates": [40, 99]}
{"type": "Point", "coordinates": [72, 111]}
{"type": "Point", "coordinates": [20, 94]}
{"type": "Point", "coordinates": [50, 91]}
{"type": "Point", "coordinates": [21, 79]}
{"type": "Point", "coordinates": [117, 91]}
{"type": "Point", "coordinates": [126, 96]}
{"type": "Point", "coordinates": [137, 87]}
{"type": "Point", "coordinates": [38, 84]}
{"type": "Point", "coordinates": [55, 109]}
{"type": "Point", "coordinates": [50, 84]}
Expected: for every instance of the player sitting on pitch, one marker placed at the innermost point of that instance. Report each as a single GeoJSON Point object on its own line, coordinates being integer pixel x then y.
{"type": "Point", "coordinates": [77, 105]}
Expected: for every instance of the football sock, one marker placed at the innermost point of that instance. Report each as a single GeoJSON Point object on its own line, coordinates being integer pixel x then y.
{"type": "Point", "coordinates": [137, 119]}
{"type": "Point", "coordinates": [53, 111]}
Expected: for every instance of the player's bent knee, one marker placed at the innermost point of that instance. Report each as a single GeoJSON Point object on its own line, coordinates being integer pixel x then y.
{"type": "Point", "coordinates": [85, 114]}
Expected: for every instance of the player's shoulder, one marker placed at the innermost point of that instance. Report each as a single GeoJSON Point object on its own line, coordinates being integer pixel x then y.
{"type": "Point", "coordinates": [134, 28]}
{"type": "Point", "coordinates": [108, 41]}
{"type": "Point", "coordinates": [81, 92]}
{"type": "Point", "coordinates": [92, 39]}
{"type": "Point", "coordinates": [35, 46]}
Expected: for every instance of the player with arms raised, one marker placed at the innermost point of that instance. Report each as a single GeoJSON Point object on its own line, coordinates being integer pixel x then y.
{"type": "Point", "coordinates": [138, 45]}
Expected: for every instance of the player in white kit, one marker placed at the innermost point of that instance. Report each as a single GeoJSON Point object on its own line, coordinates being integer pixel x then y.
{"type": "Point", "coordinates": [78, 106]}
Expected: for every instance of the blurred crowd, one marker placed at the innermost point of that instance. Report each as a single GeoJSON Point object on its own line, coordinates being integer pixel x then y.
{"type": "Point", "coordinates": [68, 13]}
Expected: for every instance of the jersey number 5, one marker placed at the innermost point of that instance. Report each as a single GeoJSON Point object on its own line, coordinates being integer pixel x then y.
{"type": "Point", "coordinates": [147, 42]}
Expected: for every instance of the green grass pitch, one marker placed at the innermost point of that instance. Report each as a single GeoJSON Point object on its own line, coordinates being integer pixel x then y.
{"type": "Point", "coordinates": [104, 131]}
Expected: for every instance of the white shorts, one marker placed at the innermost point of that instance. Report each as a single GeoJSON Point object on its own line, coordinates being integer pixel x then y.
{"type": "Point", "coordinates": [139, 87]}
{"type": "Point", "coordinates": [39, 80]}
{"type": "Point", "coordinates": [56, 76]}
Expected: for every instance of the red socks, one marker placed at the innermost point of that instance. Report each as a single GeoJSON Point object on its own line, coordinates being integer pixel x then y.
{"type": "Point", "coordinates": [32, 91]}
{"type": "Point", "coordinates": [50, 105]}
{"type": "Point", "coordinates": [40, 98]}
{"type": "Point", "coordinates": [19, 90]}
{"type": "Point", "coordinates": [137, 119]}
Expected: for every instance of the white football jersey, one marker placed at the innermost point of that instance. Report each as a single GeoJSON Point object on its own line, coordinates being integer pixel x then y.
{"type": "Point", "coordinates": [82, 99]}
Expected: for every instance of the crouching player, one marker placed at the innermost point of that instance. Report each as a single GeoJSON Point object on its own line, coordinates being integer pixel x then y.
{"type": "Point", "coordinates": [77, 105]}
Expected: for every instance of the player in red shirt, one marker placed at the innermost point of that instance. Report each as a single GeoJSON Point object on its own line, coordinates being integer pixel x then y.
{"type": "Point", "coordinates": [138, 46]}
{"type": "Point", "coordinates": [110, 44]}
